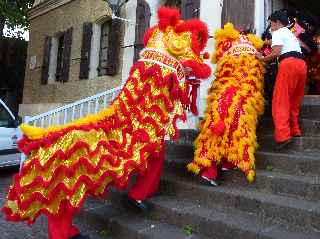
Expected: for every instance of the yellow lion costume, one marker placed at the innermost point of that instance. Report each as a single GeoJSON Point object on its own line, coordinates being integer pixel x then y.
{"type": "Point", "coordinates": [235, 100]}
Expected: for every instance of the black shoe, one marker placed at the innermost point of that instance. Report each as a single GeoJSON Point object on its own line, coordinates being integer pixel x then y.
{"type": "Point", "coordinates": [284, 144]}
{"type": "Point", "coordinates": [209, 182]}
{"type": "Point", "coordinates": [297, 136]}
{"type": "Point", "coordinates": [80, 236]}
{"type": "Point", "coordinates": [139, 205]}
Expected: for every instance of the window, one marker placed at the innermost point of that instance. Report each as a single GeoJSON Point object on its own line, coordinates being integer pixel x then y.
{"type": "Point", "coordinates": [104, 48]}
{"type": "Point", "coordinates": [109, 47]}
{"type": "Point", "coordinates": [143, 15]}
{"type": "Point", "coordinates": [240, 13]}
{"type": "Point", "coordinates": [60, 58]}
{"type": "Point", "coordinates": [189, 8]}
{"type": "Point", "coordinates": [5, 117]}
{"type": "Point", "coordinates": [173, 3]}
{"type": "Point", "coordinates": [57, 57]}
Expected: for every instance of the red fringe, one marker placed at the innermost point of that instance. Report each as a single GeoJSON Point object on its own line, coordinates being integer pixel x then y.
{"type": "Point", "coordinates": [119, 182]}
{"type": "Point", "coordinates": [201, 71]}
{"type": "Point", "coordinates": [148, 34]}
{"type": "Point", "coordinates": [116, 150]}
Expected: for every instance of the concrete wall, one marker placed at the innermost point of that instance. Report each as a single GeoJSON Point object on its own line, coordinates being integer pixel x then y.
{"type": "Point", "coordinates": [129, 38]}
{"type": "Point", "coordinates": [210, 13]}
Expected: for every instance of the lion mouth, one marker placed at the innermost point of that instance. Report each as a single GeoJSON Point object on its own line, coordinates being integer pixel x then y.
{"type": "Point", "coordinates": [199, 70]}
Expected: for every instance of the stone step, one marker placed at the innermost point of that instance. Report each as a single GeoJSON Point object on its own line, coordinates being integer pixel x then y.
{"type": "Point", "coordinates": [310, 112]}
{"type": "Point", "coordinates": [292, 211]}
{"type": "Point", "coordinates": [219, 222]}
{"type": "Point", "coordinates": [310, 108]}
{"type": "Point", "coordinates": [298, 163]}
{"type": "Point", "coordinates": [302, 162]}
{"type": "Point", "coordinates": [116, 221]}
{"type": "Point", "coordinates": [176, 149]}
{"type": "Point", "coordinates": [308, 127]}
{"type": "Point", "coordinates": [305, 144]}
{"type": "Point", "coordinates": [310, 140]}
{"type": "Point", "coordinates": [307, 112]}
{"type": "Point", "coordinates": [304, 187]}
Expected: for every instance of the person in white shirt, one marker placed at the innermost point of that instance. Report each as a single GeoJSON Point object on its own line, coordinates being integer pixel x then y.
{"type": "Point", "coordinates": [291, 78]}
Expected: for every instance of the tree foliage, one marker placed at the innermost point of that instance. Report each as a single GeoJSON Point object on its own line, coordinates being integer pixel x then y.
{"type": "Point", "coordinates": [13, 14]}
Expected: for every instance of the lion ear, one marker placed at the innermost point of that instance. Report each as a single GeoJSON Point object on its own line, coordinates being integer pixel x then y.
{"type": "Point", "coordinates": [199, 31]}
{"type": "Point", "coordinates": [168, 17]}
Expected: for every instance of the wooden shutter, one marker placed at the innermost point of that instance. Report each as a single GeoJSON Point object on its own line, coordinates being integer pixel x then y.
{"type": "Point", "coordinates": [190, 9]}
{"type": "Point", "coordinates": [67, 54]}
{"type": "Point", "coordinates": [46, 60]}
{"type": "Point", "coordinates": [143, 15]}
{"type": "Point", "coordinates": [104, 47]}
{"type": "Point", "coordinates": [114, 47]}
{"type": "Point", "coordinates": [85, 50]}
{"type": "Point", "coordinates": [240, 13]}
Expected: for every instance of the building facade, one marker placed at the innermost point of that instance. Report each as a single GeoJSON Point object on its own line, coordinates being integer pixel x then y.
{"type": "Point", "coordinates": [77, 50]}
{"type": "Point", "coordinates": [72, 53]}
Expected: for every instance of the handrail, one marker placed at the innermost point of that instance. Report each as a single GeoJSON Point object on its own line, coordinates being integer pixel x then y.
{"type": "Point", "coordinates": [68, 106]}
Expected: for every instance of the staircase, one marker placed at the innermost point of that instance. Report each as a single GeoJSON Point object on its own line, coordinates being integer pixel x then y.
{"type": "Point", "coordinates": [282, 203]}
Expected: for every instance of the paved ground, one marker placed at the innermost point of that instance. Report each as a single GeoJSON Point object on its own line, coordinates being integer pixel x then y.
{"type": "Point", "coordinates": [39, 229]}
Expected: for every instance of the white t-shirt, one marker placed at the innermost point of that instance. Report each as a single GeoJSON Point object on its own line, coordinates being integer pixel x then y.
{"type": "Point", "coordinates": [285, 38]}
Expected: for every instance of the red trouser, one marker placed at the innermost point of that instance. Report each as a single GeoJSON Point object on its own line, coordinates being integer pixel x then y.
{"type": "Point", "coordinates": [212, 171]}
{"type": "Point", "coordinates": [287, 97]}
{"type": "Point", "coordinates": [61, 227]}
{"type": "Point", "coordinates": [147, 184]}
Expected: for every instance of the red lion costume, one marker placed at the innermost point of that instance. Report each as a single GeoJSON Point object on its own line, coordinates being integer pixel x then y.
{"type": "Point", "coordinates": [67, 163]}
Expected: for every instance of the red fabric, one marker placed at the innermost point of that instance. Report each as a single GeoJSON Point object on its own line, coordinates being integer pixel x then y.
{"type": "Point", "coordinates": [147, 183]}
{"type": "Point", "coordinates": [227, 165]}
{"type": "Point", "coordinates": [60, 227]}
{"type": "Point", "coordinates": [211, 172]}
{"type": "Point", "coordinates": [199, 70]}
{"type": "Point", "coordinates": [287, 97]}
{"type": "Point", "coordinates": [168, 17]}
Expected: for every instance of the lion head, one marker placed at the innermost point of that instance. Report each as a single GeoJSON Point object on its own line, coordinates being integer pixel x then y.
{"type": "Point", "coordinates": [229, 41]}
{"type": "Point", "coordinates": [182, 40]}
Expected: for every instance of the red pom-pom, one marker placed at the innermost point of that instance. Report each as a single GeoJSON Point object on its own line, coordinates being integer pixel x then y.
{"type": "Point", "coordinates": [201, 71]}
{"type": "Point", "coordinates": [168, 17]}
{"type": "Point", "coordinates": [206, 55]}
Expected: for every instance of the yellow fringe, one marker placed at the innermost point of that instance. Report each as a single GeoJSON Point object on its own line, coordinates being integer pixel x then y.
{"type": "Point", "coordinates": [192, 167]}
{"type": "Point", "coordinates": [33, 132]}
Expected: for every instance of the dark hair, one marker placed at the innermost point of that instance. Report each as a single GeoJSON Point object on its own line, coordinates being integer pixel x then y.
{"type": "Point", "coordinates": [307, 22]}
{"type": "Point", "coordinates": [308, 40]}
{"type": "Point", "coordinates": [266, 35]}
{"type": "Point", "coordinates": [280, 16]}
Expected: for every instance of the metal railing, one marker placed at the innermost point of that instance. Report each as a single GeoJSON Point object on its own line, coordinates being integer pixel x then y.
{"type": "Point", "coordinates": [73, 111]}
